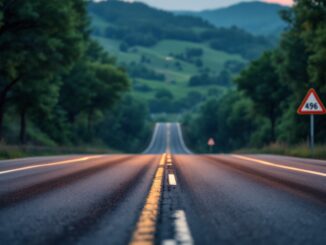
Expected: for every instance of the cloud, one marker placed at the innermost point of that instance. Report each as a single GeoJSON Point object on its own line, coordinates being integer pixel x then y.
{"type": "Point", "coordinates": [284, 2]}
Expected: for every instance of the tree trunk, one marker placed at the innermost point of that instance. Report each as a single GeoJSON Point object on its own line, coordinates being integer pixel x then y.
{"type": "Point", "coordinates": [90, 125]}
{"type": "Point", "coordinates": [23, 123]}
{"type": "Point", "coordinates": [2, 112]}
{"type": "Point", "coordinates": [273, 125]}
{"type": "Point", "coordinates": [273, 130]}
{"type": "Point", "coordinates": [3, 100]}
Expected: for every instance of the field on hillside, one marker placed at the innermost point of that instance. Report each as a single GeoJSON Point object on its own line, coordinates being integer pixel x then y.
{"type": "Point", "coordinates": [161, 61]}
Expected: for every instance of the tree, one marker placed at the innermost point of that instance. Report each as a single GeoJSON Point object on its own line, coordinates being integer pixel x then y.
{"type": "Point", "coordinates": [261, 83]}
{"type": "Point", "coordinates": [164, 93]}
{"type": "Point", "coordinates": [43, 37]}
{"type": "Point", "coordinates": [309, 23]}
{"type": "Point", "coordinates": [107, 87]}
{"type": "Point", "coordinates": [128, 122]}
{"type": "Point", "coordinates": [77, 89]}
{"type": "Point", "coordinates": [38, 97]}
{"type": "Point", "coordinates": [92, 87]}
{"type": "Point", "coordinates": [301, 64]}
{"type": "Point", "coordinates": [229, 120]}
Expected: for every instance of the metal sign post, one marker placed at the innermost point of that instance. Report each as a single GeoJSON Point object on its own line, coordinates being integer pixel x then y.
{"type": "Point", "coordinates": [211, 143]}
{"type": "Point", "coordinates": [312, 133]}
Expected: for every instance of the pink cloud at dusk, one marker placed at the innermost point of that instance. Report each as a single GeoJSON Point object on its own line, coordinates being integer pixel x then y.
{"type": "Point", "coordinates": [284, 2]}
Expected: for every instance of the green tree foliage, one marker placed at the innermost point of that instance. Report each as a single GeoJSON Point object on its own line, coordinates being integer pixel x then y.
{"type": "Point", "coordinates": [128, 124]}
{"type": "Point", "coordinates": [163, 102]}
{"type": "Point", "coordinates": [141, 71]}
{"type": "Point", "coordinates": [263, 108]}
{"type": "Point", "coordinates": [261, 83]}
{"type": "Point", "coordinates": [310, 19]}
{"type": "Point", "coordinates": [301, 64]}
{"type": "Point", "coordinates": [52, 75]}
{"type": "Point", "coordinates": [229, 120]}
{"type": "Point", "coordinates": [95, 83]}
{"type": "Point", "coordinates": [46, 37]}
{"type": "Point", "coordinates": [39, 97]}
{"type": "Point", "coordinates": [237, 41]}
{"type": "Point", "coordinates": [204, 79]}
{"type": "Point", "coordinates": [164, 93]}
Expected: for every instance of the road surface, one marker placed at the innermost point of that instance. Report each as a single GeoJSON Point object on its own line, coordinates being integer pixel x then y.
{"type": "Point", "coordinates": [167, 195]}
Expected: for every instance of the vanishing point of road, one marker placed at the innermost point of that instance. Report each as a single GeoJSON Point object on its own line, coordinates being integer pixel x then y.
{"type": "Point", "coordinates": [167, 195]}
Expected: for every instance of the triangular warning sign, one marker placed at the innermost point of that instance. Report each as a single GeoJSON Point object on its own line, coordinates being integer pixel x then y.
{"type": "Point", "coordinates": [312, 104]}
{"type": "Point", "coordinates": [211, 142]}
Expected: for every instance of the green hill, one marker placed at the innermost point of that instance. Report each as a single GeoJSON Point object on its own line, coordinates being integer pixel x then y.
{"type": "Point", "coordinates": [255, 17]}
{"type": "Point", "coordinates": [184, 56]}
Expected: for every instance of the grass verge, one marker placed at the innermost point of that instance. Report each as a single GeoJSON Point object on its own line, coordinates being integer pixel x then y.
{"type": "Point", "coordinates": [282, 149]}
{"type": "Point", "coordinates": [17, 151]}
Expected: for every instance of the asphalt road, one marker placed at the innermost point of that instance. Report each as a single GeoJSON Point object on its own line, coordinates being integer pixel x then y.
{"type": "Point", "coordinates": [165, 196]}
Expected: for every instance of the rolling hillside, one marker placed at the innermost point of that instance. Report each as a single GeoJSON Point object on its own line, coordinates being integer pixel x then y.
{"type": "Point", "coordinates": [163, 51]}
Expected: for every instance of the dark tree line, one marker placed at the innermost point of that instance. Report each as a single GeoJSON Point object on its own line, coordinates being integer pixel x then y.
{"type": "Point", "coordinates": [141, 71]}
{"type": "Point", "coordinates": [205, 79]}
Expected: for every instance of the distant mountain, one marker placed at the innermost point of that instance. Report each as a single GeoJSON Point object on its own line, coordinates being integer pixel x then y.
{"type": "Point", "coordinates": [138, 24]}
{"type": "Point", "coordinates": [256, 17]}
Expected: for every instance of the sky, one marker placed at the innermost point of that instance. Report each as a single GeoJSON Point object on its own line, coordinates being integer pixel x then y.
{"type": "Point", "coordinates": [199, 4]}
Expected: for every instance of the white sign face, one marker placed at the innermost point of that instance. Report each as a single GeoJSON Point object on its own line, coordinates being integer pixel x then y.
{"type": "Point", "coordinates": [311, 104]}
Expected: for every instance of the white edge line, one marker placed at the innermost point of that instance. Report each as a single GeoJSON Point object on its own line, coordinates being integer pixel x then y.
{"type": "Point", "coordinates": [157, 125]}
{"type": "Point", "coordinates": [48, 164]}
{"type": "Point", "coordinates": [280, 166]}
{"type": "Point", "coordinates": [182, 140]}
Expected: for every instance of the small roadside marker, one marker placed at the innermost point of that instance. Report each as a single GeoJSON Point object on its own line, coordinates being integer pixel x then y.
{"type": "Point", "coordinates": [211, 144]}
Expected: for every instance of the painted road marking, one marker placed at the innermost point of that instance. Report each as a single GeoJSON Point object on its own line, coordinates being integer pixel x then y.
{"type": "Point", "coordinates": [169, 242]}
{"type": "Point", "coordinates": [281, 166]}
{"type": "Point", "coordinates": [172, 180]}
{"type": "Point", "coordinates": [146, 225]}
{"type": "Point", "coordinates": [48, 164]}
{"type": "Point", "coordinates": [169, 162]}
{"type": "Point", "coordinates": [181, 229]}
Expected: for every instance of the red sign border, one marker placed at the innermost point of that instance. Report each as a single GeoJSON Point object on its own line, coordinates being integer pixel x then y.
{"type": "Point", "coordinates": [311, 91]}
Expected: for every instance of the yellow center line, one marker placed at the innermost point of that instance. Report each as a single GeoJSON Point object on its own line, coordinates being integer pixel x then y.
{"type": "Point", "coordinates": [146, 226]}
{"type": "Point", "coordinates": [281, 166]}
{"type": "Point", "coordinates": [48, 164]}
